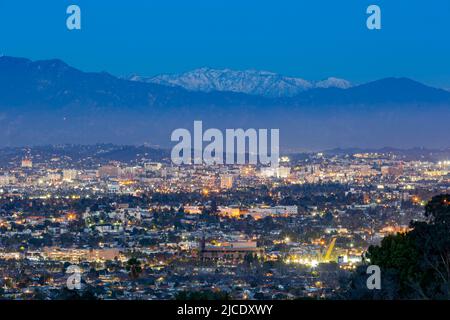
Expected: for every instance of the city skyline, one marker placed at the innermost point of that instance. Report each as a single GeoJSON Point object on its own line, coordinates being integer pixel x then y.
{"type": "Point", "coordinates": [115, 222]}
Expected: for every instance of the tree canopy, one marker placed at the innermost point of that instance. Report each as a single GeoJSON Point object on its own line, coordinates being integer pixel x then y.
{"type": "Point", "coordinates": [415, 264]}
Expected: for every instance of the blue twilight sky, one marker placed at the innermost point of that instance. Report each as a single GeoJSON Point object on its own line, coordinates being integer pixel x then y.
{"type": "Point", "coordinates": [312, 39]}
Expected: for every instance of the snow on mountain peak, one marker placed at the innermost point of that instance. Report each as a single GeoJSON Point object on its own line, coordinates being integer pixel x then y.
{"type": "Point", "coordinates": [333, 83]}
{"type": "Point", "coordinates": [264, 83]}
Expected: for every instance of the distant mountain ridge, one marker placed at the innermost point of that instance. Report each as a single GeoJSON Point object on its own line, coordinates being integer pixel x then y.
{"type": "Point", "coordinates": [254, 82]}
{"type": "Point", "coordinates": [50, 102]}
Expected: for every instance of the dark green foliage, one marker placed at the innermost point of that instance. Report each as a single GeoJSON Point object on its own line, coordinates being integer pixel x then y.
{"type": "Point", "coordinates": [414, 265]}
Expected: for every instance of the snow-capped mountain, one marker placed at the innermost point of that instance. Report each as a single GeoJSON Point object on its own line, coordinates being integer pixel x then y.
{"type": "Point", "coordinates": [51, 102]}
{"type": "Point", "coordinates": [333, 83]}
{"type": "Point", "coordinates": [262, 83]}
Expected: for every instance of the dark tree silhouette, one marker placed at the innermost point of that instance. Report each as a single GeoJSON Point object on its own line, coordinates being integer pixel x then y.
{"type": "Point", "coordinates": [416, 264]}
